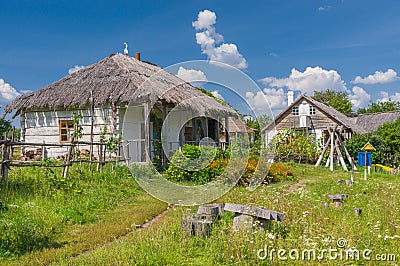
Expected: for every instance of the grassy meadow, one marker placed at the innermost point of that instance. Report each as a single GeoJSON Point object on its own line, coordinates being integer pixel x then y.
{"type": "Point", "coordinates": [99, 207]}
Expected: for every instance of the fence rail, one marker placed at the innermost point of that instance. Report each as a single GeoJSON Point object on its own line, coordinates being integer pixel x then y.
{"type": "Point", "coordinates": [8, 146]}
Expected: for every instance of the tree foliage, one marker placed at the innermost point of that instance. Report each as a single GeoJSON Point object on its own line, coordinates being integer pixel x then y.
{"type": "Point", "coordinates": [336, 99]}
{"type": "Point", "coordinates": [386, 141]}
{"type": "Point", "coordinates": [292, 145]}
{"type": "Point", "coordinates": [380, 107]}
{"type": "Point", "coordinates": [260, 121]}
{"type": "Point", "coordinates": [5, 126]}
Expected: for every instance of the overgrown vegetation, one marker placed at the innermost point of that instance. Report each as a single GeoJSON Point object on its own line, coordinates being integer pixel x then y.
{"type": "Point", "coordinates": [294, 145]}
{"type": "Point", "coordinates": [39, 203]}
{"type": "Point", "coordinates": [386, 141]}
{"type": "Point", "coordinates": [196, 165]}
{"type": "Point", "coordinates": [308, 225]}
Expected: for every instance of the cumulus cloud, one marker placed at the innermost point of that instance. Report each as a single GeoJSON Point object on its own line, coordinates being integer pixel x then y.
{"type": "Point", "coordinates": [74, 69]}
{"type": "Point", "coordinates": [211, 42]}
{"type": "Point", "coordinates": [378, 77]}
{"type": "Point", "coordinates": [312, 79]}
{"type": "Point", "coordinates": [276, 98]}
{"type": "Point", "coordinates": [191, 75]}
{"type": "Point", "coordinates": [216, 94]}
{"type": "Point", "coordinates": [385, 97]}
{"type": "Point", "coordinates": [359, 97]}
{"type": "Point", "coordinates": [7, 92]}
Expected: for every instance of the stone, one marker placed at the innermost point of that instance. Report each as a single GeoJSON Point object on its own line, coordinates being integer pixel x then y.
{"type": "Point", "coordinates": [338, 196]}
{"type": "Point", "coordinates": [340, 181]}
{"type": "Point", "coordinates": [326, 204]}
{"type": "Point", "coordinates": [243, 223]}
{"type": "Point", "coordinates": [349, 183]}
{"type": "Point", "coordinates": [338, 204]}
{"type": "Point", "coordinates": [357, 211]}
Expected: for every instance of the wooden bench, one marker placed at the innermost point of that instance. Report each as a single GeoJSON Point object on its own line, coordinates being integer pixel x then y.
{"type": "Point", "coordinates": [338, 199]}
{"type": "Point", "coordinates": [248, 217]}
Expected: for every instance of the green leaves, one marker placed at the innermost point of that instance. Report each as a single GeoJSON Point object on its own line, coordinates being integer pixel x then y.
{"type": "Point", "coordinates": [294, 145]}
{"type": "Point", "coordinates": [336, 99]}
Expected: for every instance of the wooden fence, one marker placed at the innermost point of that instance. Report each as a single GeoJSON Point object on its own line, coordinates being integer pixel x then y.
{"type": "Point", "coordinates": [8, 146]}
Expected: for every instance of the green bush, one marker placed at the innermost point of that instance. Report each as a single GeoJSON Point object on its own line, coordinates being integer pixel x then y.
{"type": "Point", "coordinates": [192, 164]}
{"type": "Point", "coordinates": [292, 145]}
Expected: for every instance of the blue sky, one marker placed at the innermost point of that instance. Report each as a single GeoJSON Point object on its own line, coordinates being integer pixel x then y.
{"type": "Point", "coordinates": [347, 45]}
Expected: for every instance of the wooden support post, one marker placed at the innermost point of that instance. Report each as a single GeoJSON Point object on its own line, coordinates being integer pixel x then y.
{"type": "Point", "coordinates": [43, 151]}
{"type": "Point", "coordinates": [206, 127]}
{"type": "Point", "coordinates": [91, 129]}
{"type": "Point", "coordinates": [352, 170]}
{"type": "Point", "coordinates": [194, 129]}
{"type": "Point", "coordinates": [217, 132]}
{"type": "Point", "coordinates": [12, 140]}
{"type": "Point", "coordinates": [146, 130]}
{"type": "Point", "coordinates": [68, 159]}
{"type": "Point", "coordinates": [227, 130]}
{"type": "Point", "coordinates": [324, 150]}
{"type": "Point", "coordinates": [347, 153]}
{"type": "Point", "coordinates": [332, 147]}
{"type": "Point", "coordinates": [4, 161]}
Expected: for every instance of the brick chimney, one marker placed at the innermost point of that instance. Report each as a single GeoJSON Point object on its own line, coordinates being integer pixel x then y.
{"type": "Point", "coordinates": [137, 56]}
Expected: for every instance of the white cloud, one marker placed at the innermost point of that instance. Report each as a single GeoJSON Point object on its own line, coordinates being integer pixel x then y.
{"type": "Point", "coordinates": [378, 77]}
{"type": "Point", "coordinates": [25, 91]}
{"type": "Point", "coordinates": [210, 41]}
{"type": "Point", "coordinates": [75, 68]}
{"type": "Point", "coordinates": [312, 79]}
{"type": "Point", "coordinates": [324, 8]}
{"type": "Point", "coordinates": [385, 97]}
{"type": "Point", "coordinates": [192, 75]}
{"type": "Point", "coordinates": [7, 92]}
{"type": "Point", "coordinates": [359, 97]}
{"type": "Point", "coordinates": [216, 94]}
{"type": "Point", "coordinates": [262, 101]}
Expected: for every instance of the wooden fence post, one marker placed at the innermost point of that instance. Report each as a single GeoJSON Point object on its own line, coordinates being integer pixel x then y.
{"type": "Point", "coordinates": [91, 129]}
{"type": "Point", "coordinates": [4, 161]}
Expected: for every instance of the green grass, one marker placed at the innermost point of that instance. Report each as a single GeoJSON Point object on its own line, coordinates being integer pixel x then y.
{"type": "Point", "coordinates": [49, 218]}
{"type": "Point", "coordinates": [90, 210]}
{"type": "Point", "coordinates": [308, 225]}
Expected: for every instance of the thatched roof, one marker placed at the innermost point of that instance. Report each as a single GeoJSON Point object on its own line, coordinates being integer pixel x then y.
{"type": "Point", "coordinates": [237, 125]}
{"type": "Point", "coordinates": [119, 79]}
{"type": "Point", "coordinates": [371, 122]}
{"type": "Point", "coordinates": [328, 110]}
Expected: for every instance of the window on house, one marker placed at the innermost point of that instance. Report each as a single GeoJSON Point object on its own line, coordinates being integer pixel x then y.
{"type": "Point", "coordinates": [66, 130]}
{"type": "Point", "coordinates": [295, 110]}
{"type": "Point", "coordinates": [312, 110]}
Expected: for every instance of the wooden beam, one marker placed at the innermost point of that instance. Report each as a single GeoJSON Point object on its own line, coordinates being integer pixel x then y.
{"type": "Point", "coordinates": [146, 130]}
{"type": "Point", "coordinates": [323, 150]}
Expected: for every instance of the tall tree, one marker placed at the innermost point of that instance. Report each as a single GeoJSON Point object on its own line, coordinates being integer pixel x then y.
{"type": "Point", "coordinates": [380, 107]}
{"type": "Point", "coordinates": [5, 126]}
{"type": "Point", "coordinates": [336, 99]}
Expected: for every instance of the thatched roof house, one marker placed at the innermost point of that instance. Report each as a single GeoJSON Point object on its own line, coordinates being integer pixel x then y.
{"type": "Point", "coordinates": [125, 95]}
{"type": "Point", "coordinates": [117, 79]}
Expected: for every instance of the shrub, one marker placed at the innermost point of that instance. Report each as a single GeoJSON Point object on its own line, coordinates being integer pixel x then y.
{"type": "Point", "coordinates": [292, 145]}
{"type": "Point", "coordinates": [192, 164]}
{"type": "Point", "coordinates": [279, 172]}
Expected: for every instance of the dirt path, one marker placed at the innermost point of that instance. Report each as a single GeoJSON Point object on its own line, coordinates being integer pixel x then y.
{"type": "Point", "coordinates": [139, 228]}
{"type": "Point", "coordinates": [294, 187]}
